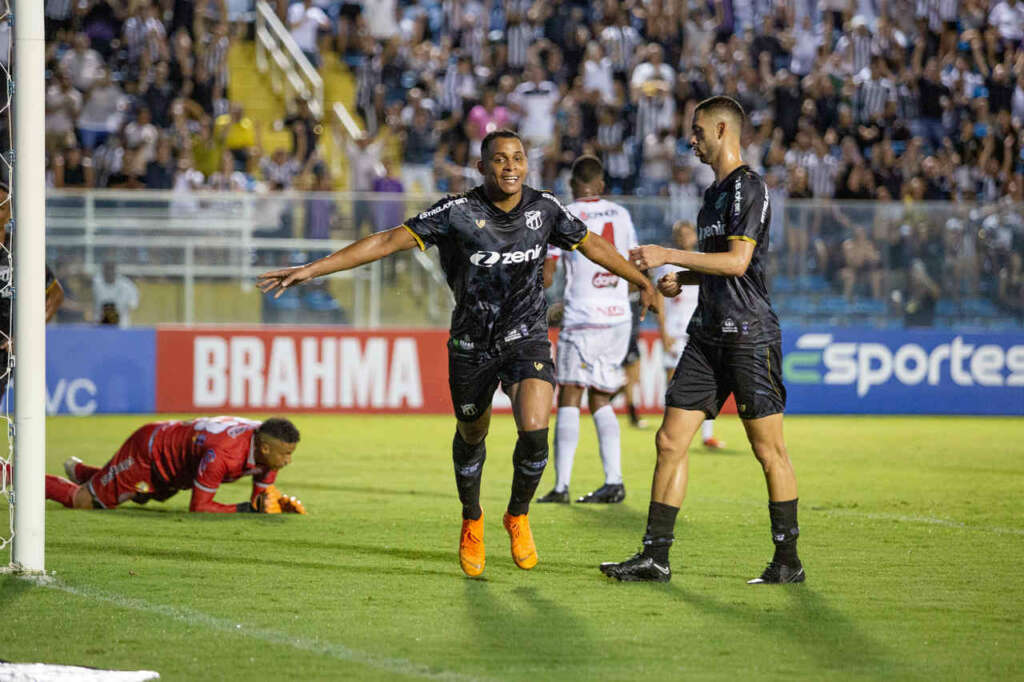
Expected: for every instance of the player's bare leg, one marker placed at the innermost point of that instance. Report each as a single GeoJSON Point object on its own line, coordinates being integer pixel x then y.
{"type": "Point", "coordinates": [71, 495]}
{"type": "Point", "coordinates": [707, 429]}
{"type": "Point", "coordinates": [765, 435]}
{"type": "Point", "coordinates": [567, 435]}
{"type": "Point", "coordinates": [610, 446]}
{"type": "Point", "coordinates": [468, 455]}
{"type": "Point", "coordinates": [668, 490]}
{"type": "Point", "coordinates": [531, 407]}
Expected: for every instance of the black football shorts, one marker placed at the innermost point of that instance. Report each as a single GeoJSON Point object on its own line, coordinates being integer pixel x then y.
{"type": "Point", "coordinates": [473, 375]}
{"type": "Point", "coordinates": [707, 374]}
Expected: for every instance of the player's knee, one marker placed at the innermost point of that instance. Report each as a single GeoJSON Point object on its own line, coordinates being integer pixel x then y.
{"type": "Point", "coordinates": [534, 443]}
{"type": "Point", "coordinates": [770, 454]}
{"type": "Point", "coordinates": [82, 499]}
{"type": "Point", "coordinates": [670, 447]}
{"type": "Point", "coordinates": [467, 456]}
{"type": "Point", "coordinates": [473, 432]}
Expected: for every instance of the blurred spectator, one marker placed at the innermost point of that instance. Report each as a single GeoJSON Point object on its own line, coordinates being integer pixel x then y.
{"type": "Point", "coordinates": [186, 181]}
{"type": "Point", "coordinates": [305, 130]}
{"type": "Point", "coordinates": [101, 112]}
{"type": "Point", "coordinates": [236, 133]}
{"type": "Point", "coordinates": [226, 178]}
{"type": "Point", "coordinates": [279, 169]}
{"type": "Point", "coordinates": [862, 265]}
{"type": "Point", "coordinates": [73, 169]}
{"type": "Point", "coordinates": [419, 146]}
{"type": "Point", "coordinates": [161, 169]}
{"type": "Point", "coordinates": [82, 63]}
{"type": "Point", "coordinates": [158, 94]}
{"type": "Point", "coordinates": [114, 296]}
{"type": "Point", "coordinates": [922, 294]}
{"type": "Point", "coordinates": [484, 118]}
{"type": "Point", "coordinates": [320, 209]}
{"type": "Point", "coordinates": [63, 104]}
{"type": "Point", "coordinates": [205, 148]}
{"type": "Point", "coordinates": [305, 21]}
{"type": "Point", "coordinates": [141, 135]}
{"type": "Point", "coordinates": [364, 158]}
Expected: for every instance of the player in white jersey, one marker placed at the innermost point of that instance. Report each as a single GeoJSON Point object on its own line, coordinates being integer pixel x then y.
{"type": "Point", "coordinates": [594, 339]}
{"type": "Point", "coordinates": [675, 318]}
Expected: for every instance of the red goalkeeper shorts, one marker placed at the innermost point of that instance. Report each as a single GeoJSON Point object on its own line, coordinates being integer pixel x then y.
{"type": "Point", "coordinates": [127, 474]}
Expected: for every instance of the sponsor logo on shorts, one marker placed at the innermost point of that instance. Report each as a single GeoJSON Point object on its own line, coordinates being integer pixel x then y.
{"type": "Point", "coordinates": [481, 223]}
{"type": "Point", "coordinates": [728, 326]}
{"type": "Point", "coordinates": [534, 220]}
{"type": "Point", "coordinates": [121, 467]}
{"type": "Point", "coordinates": [518, 333]}
{"type": "Point", "coordinates": [463, 343]}
{"type": "Point", "coordinates": [487, 259]}
{"type": "Point", "coordinates": [538, 366]}
{"type": "Point", "coordinates": [469, 409]}
{"type": "Point", "coordinates": [603, 280]}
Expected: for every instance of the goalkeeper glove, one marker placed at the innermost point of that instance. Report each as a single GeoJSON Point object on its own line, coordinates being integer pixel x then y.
{"type": "Point", "coordinates": [274, 502]}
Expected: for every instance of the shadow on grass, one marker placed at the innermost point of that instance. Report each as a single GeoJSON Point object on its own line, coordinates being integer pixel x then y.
{"type": "Point", "coordinates": [529, 627]}
{"type": "Point", "coordinates": [807, 621]}
{"type": "Point", "coordinates": [11, 589]}
{"type": "Point", "coordinates": [369, 490]}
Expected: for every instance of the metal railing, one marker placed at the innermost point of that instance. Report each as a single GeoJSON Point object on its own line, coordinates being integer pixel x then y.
{"type": "Point", "coordinates": [828, 263]}
{"type": "Point", "coordinates": [277, 54]}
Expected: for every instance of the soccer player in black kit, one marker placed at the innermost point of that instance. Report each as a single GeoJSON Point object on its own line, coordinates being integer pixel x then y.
{"type": "Point", "coordinates": [492, 242]}
{"type": "Point", "coordinates": [734, 347]}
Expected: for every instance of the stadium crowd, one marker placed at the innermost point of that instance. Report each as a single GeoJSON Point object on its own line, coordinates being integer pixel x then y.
{"type": "Point", "coordinates": [909, 100]}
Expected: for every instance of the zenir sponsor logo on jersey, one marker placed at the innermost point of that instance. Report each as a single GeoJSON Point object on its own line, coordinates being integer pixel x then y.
{"type": "Point", "coordinates": [716, 229]}
{"type": "Point", "coordinates": [487, 259]}
{"type": "Point", "coordinates": [534, 220]}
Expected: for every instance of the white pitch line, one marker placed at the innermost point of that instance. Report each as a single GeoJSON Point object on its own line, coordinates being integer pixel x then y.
{"type": "Point", "coordinates": [904, 518]}
{"type": "Point", "coordinates": [340, 652]}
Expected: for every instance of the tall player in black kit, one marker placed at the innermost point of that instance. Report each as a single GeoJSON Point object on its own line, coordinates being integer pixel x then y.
{"type": "Point", "coordinates": [492, 242]}
{"type": "Point", "coordinates": [734, 347]}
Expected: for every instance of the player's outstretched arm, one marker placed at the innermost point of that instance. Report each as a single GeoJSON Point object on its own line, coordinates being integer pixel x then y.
{"type": "Point", "coordinates": [597, 249]}
{"type": "Point", "coordinates": [731, 263]}
{"type": "Point", "coordinates": [366, 250]}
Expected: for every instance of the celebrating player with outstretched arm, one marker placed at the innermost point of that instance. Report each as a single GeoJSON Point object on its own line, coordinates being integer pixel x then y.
{"type": "Point", "coordinates": [492, 241]}
{"type": "Point", "coordinates": [161, 458]}
{"type": "Point", "coordinates": [734, 347]}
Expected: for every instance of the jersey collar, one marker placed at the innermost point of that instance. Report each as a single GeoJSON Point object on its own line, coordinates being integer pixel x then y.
{"type": "Point", "coordinates": [727, 178]}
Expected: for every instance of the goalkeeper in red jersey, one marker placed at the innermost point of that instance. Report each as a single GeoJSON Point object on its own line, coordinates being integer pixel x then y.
{"type": "Point", "coordinates": [162, 458]}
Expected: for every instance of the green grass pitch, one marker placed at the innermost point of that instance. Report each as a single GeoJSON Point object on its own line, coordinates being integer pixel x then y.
{"type": "Point", "coordinates": [912, 536]}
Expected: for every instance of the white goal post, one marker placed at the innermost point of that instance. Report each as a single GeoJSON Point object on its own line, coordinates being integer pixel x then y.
{"type": "Point", "coordinates": [28, 193]}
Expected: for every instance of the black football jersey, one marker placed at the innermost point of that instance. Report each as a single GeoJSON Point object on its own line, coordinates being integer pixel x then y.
{"type": "Point", "coordinates": [6, 297]}
{"type": "Point", "coordinates": [735, 310]}
{"type": "Point", "coordinates": [494, 260]}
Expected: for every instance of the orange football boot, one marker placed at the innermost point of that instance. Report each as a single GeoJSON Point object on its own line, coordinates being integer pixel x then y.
{"type": "Point", "coordinates": [471, 547]}
{"type": "Point", "coordinates": [524, 551]}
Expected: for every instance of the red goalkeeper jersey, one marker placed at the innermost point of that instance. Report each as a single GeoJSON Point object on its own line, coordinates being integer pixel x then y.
{"type": "Point", "coordinates": [203, 453]}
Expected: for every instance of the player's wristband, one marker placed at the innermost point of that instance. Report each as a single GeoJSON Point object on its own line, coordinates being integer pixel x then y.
{"type": "Point", "coordinates": [245, 508]}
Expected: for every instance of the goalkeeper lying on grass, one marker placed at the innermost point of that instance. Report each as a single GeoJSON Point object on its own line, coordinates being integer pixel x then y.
{"type": "Point", "coordinates": [162, 458]}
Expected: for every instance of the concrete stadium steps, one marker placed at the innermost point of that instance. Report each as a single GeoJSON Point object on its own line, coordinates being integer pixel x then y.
{"type": "Point", "coordinates": [252, 90]}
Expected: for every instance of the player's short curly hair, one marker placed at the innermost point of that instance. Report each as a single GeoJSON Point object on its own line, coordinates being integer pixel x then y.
{"type": "Point", "coordinates": [279, 428]}
{"type": "Point", "coordinates": [485, 145]}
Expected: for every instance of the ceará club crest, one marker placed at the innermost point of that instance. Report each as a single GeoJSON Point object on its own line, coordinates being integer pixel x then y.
{"type": "Point", "coordinates": [534, 220]}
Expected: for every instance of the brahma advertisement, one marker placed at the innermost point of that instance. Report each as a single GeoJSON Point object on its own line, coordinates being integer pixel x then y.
{"type": "Point", "coordinates": [338, 370]}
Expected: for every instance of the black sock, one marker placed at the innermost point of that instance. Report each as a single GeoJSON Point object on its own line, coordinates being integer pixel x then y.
{"type": "Point", "coordinates": [661, 523]}
{"type": "Point", "coordinates": [785, 531]}
{"type": "Point", "coordinates": [469, 464]}
{"type": "Point", "coordinates": [632, 413]}
{"type": "Point", "coordinates": [528, 462]}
